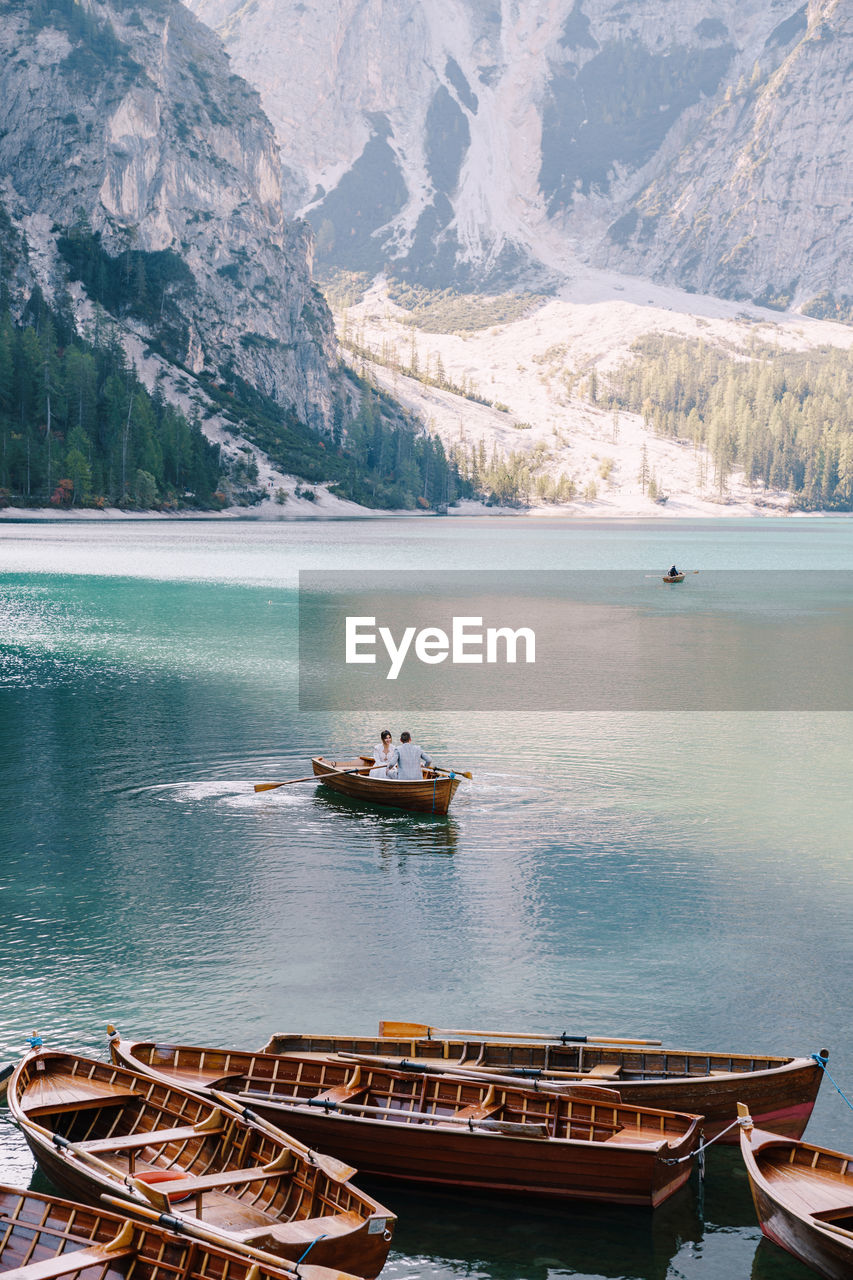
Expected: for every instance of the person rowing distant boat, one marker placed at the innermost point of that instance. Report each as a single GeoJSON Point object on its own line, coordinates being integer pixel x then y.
{"type": "Point", "coordinates": [673, 573]}
{"type": "Point", "coordinates": [410, 758]}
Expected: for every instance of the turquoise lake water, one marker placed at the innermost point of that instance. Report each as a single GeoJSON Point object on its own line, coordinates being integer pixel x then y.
{"type": "Point", "coordinates": [684, 875]}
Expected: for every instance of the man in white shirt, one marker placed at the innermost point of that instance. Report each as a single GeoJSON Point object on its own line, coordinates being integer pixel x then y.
{"type": "Point", "coordinates": [410, 757]}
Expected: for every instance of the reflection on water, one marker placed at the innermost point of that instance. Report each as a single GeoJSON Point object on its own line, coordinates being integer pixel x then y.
{"type": "Point", "coordinates": [390, 833]}
{"type": "Point", "coordinates": [772, 1263]}
{"type": "Point", "coordinates": [438, 1236]}
{"type": "Point", "coordinates": [685, 877]}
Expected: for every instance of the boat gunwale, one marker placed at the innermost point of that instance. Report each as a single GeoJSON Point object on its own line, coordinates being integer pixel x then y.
{"type": "Point", "coordinates": [127, 1048]}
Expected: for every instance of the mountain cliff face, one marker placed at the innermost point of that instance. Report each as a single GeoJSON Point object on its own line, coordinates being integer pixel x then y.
{"type": "Point", "coordinates": [704, 144]}
{"type": "Point", "coordinates": [133, 156]}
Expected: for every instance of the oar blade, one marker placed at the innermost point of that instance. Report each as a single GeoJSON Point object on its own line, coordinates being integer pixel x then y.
{"type": "Point", "coordinates": [330, 1165]}
{"type": "Point", "coordinates": [421, 1030]}
{"type": "Point", "coordinates": [404, 1030]}
{"type": "Point", "coordinates": [288, 782]}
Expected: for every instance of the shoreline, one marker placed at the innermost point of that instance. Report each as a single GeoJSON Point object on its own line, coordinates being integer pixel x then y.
{"type": "Point", "coordinates": [591, 512]}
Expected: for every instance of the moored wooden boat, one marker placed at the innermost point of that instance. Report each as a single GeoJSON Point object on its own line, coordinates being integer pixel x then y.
{"type": "Point", "coordinates": [43, 1238]}
{"type": "Point", "coordinates": [803, 1197]}
{"type": "Point", "coordinates": [432, 794]}
{"type": "Point", "coordinates": [780, 1091]}
{"type": "Point", "coordinates": [97, 1129]}
{"type": "Point", "coordinates": [446, 1131]}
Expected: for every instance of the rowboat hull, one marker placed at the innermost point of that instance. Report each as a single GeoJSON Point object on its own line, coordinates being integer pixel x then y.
{"type": "Point", "coordinates": [443, 1131]}
{"type": "Point", "coordinates": [254, 1191]}
{"type": "Point", "coordinates": [486, 1162]}
{"type": "Point", "coordinates": [673, 577]}
{"type": "Point", "coordinates": [40, 1233]}
{"type": "Point", "coordinates": [780, 1092]}
{"type": "Point", "coordinates": [431, 795]}
{"type": "Point", "coordinates": [803, 1197]}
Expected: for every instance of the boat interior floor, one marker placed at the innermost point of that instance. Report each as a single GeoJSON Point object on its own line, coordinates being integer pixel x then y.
{"type": "Point", "coordinates": [814, 1191]}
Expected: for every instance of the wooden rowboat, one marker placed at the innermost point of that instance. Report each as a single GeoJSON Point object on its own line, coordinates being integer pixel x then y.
{"type": "Point", "coordinates": [673, 577]}
{"type": "Point", "coordinates": [43, 1238]}
{"type": "Point", "coordinates": [432, 794]}
{"type": "Point", "coordinates": [781, 1092]}
{"type": "Point", "coordinates": [446, 1131]}
{"type": "Point", "coordinates": [803, 1197]}
{"type": "Point", "coordinates": [96, 1129]}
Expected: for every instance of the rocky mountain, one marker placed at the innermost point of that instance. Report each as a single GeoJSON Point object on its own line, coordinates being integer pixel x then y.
{"type": "Point", "coordinates": [133, 159]}
{"type": "Point", "coordinates": [704, 144]}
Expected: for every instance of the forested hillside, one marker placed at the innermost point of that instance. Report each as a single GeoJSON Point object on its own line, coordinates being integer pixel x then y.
{"type": "Point", "coordinates": [78, 428]}
{"type": "Point", "coordinates": [783, 418]}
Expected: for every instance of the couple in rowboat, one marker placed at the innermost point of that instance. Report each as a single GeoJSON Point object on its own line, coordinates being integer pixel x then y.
{"type": "Point", "coordinates": [401, 763]}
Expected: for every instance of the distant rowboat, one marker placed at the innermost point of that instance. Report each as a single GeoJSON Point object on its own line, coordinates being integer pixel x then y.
{"type": "Point", "coordinates": [432, 794]}
{"type": "Point", "coordinates": [673, 577]}
{"type": "Point", "coordinates": [803, 1197]}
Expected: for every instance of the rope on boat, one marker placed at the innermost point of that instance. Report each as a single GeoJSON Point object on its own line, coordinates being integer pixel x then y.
{"type": "Point", "coordinates": [821, 1062]}
{"type": "Point", "coordinates": [305, 1254]}
{"type": "Point", "coordinates": [699, 1153]}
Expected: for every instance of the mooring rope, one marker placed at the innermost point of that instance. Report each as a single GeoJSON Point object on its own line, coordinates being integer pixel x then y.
{"type": "Point", "coordinates": [821, 1062]}
{"type": "Point", "coordinates": [304, 1255]}
{"type": "Point", "coordinates": [699, 1153]}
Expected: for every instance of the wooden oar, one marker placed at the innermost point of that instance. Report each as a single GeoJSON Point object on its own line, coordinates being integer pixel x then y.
{"type": "Point", "coordinates": [225, 1240]}
{"type": "Point", "coordinates": [394, 1115]}
{"type": "Point", "coordinates": [311, 777]}
{"type": "Point", "coordinates": [334, 1169]}
{"type": "Point", "coordinates": [422, 1031]}
{"type": "Point", "coordinates": [834, 1227]}
{"type": "Point", "coordinates": [578, 1085]}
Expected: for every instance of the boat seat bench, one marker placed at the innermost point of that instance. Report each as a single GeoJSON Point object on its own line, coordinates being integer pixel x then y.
{"type": "Point", "coordinates": [210, 1181]}
{"type": "Point", "coordinates": [302, 1229]}
{"type": "Point", "coordinates": [340, 1094]}
{"type": "Point", "coordinates": [68, 1262]}
{"type": "Point", "coordinates": [829, 1215]}
{"type": "Point", "coordinates": [150, 1138]}
{"type": "Point", "coordinates": [53, 1094]}
{"type": "Point", "coordinates": [477, 1112]}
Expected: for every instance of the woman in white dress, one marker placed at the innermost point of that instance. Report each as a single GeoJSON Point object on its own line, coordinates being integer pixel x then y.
{"type": "Point", "coordinates": [381, 755]}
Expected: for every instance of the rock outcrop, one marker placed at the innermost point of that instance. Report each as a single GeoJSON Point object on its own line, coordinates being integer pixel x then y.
{"type": "Point", "coordinates": [126, 132]}
{"type": "Point", "coordinates": [702, 144]}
